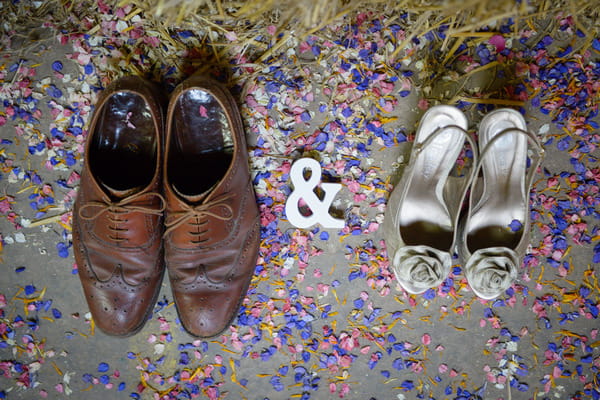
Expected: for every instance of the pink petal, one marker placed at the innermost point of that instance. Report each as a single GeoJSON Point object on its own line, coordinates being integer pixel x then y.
{"type": "Point", "coordinates": [556, 372]}
{"type": "Point", "coordinates": [426, 339]}
{"type": "Point", "coordinates": [231, 36]}
{"type": "Point", "coordinates": [499, 42]}
{"type": "Point", "coordinates": [203, 112]}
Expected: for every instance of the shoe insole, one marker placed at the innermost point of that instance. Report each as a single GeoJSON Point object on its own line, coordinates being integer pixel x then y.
{"type": "Point", "coordinates": [502, 200]}
{"type": "Point", "coordinates": [123, 148]}
{"type": "Point", "coordinates": [424, 216]}
{"type": "Point", "coordinates": [201, 147]}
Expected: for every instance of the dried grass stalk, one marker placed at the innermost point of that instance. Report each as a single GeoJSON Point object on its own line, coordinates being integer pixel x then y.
{"type": "Point", "coordinates": [306, 15]}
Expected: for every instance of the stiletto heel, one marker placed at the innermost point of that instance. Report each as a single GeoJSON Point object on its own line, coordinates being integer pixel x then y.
{"type": "Point", "coordinates": [422, 212]}
{"type": "Point", "coordinates": [495, 234]}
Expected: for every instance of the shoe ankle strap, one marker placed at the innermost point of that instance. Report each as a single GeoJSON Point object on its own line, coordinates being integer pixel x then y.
{"type": "Point", "coordinates": [531, 139]}
{"type": "Point", "coordinates": [470, 140]}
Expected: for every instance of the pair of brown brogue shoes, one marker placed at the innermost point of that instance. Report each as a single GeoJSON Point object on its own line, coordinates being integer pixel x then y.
{"type": "Point", "coordinates": [162, 193]}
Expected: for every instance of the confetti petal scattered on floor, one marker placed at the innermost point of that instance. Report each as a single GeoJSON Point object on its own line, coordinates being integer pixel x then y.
{"type": "Point", "coordinates": [324, 316]}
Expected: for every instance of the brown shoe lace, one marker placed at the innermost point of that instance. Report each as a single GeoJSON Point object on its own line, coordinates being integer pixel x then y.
{"type": "Point", "coordinates": [117, 209]}
{"type": "Point", "coordinates": [195, 213]}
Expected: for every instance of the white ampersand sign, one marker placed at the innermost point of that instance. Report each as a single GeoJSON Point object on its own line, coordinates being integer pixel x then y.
{"type": "Point", "coordinates": [303, 189]}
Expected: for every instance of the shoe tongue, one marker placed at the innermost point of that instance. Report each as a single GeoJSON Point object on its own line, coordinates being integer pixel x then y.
{"type": "Point", "coordinates": [119, 194]}
{"type": "Point", "coordinates": [191, 198]}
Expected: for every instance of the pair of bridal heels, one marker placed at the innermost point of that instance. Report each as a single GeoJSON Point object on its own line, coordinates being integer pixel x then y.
{"type": "Point", "coordinates": [424, 225]}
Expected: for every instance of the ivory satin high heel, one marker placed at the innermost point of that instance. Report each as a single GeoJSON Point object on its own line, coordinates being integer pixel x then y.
{"type": "Point", "coordinates": [495, 233]}
{"type": "Point", "coordinates": [422, 213]}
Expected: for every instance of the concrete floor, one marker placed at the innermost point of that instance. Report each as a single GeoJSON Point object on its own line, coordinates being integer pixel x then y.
{"type": "Point", "coordinates": [361, 336]}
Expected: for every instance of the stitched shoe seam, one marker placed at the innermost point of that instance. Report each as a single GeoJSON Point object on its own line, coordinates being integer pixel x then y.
{"type": "Point", "coordinates": [250, 235]}
{"type": "Point", "coordinates": [223, 243]}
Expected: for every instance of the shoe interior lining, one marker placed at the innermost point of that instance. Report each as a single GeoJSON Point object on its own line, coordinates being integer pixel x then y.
{"type": "Point", "coordinates": [123, 148]}
{"type": "Point", "coordinates": [502, 200]}
{"type": "Point", "coordinates": [424, 216]}
{"type": "Point", "coordinates": [201, 147]}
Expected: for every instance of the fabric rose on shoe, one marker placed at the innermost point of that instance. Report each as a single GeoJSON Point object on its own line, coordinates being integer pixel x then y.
{"type": "Point", "coordinates": [491, 271]}
{"type": "Point", "coordinates": [419, 268]}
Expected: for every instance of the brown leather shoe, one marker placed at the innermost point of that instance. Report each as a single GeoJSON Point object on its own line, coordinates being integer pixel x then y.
{"type": "Point", "coordinates": [117, 217]}
{"type": "Point", "coordinates": [212, 237]}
